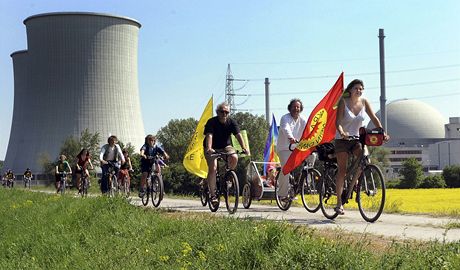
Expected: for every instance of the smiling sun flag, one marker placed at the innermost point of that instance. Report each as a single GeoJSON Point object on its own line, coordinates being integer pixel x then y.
{"type": "Point", "coordinates": [320, 126]}
{"type": "Point", "coordinates": [269, 151]}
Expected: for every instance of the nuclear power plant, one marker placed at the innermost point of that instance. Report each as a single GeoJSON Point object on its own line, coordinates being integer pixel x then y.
{"type": "Point", "coordinates": [79, 71]}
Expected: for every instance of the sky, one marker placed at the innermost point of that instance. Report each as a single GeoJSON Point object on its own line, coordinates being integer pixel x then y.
{"type": "Point", "coordinates": [302, 46]}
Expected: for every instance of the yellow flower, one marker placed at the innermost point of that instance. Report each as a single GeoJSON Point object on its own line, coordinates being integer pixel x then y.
{"type": "Point", "coordinates": [164, 258]}
{"type": "Point", "coordinates": [186, 248]}
{"type": "Point", "coordinates": [201, 255]}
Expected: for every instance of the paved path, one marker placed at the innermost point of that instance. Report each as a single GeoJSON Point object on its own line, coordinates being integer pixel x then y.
{"type": "Point", "coordinates": [400, 227]}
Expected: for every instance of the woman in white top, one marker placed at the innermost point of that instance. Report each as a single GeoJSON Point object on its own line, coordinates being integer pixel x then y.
{"type": "Point", "coordinates": [291, 128]}
{"type": "Point", "coordinates": [350, 116]}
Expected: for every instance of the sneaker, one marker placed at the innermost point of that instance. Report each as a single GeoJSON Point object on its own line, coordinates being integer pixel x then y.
{"type": "Point", "coordinates": [141, 194]}
{"type": "Point", "coordinates": [214, 200]}
{"type": "Point", "coordinates": [285, 199]}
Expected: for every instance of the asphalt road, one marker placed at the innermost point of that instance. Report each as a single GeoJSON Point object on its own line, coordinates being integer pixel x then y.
{"type": "Point", "coordinates": [400, 227]}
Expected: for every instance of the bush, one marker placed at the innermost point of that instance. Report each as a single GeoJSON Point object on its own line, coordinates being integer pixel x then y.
{"type": "Point", "coordinates": [412, 173]}
{"type": "Point", "coordinates": [433, 181]}
{"type": "Point", "coordinates": [451, 175]}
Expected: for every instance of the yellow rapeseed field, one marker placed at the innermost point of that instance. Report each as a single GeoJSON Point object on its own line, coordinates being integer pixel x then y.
{"type": "Point", "coordinates": [442, 201]}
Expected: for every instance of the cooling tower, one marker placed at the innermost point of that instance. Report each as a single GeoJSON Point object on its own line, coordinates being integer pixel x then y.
{"type": "Point", "coordinates": [79, 72]}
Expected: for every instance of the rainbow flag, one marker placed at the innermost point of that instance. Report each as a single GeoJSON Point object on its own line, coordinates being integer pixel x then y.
{"type": "Point", "coordinates": [269, 151]}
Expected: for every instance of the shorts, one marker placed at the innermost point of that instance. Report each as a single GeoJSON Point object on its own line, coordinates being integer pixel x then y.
{"type": "Point", "coordinates": [146, 165]}
{"type": "Point", "coordinates": [345, 145]}
{"type": "Point", "coordinates": [227, 150]}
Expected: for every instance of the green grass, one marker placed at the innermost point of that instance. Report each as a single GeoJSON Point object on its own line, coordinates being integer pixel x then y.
{"type": "Point", "coordinates": [41, 231]}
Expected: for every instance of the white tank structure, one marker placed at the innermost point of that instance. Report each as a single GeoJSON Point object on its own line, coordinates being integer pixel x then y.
{"type": "Point", "coordinates": [80, 71]}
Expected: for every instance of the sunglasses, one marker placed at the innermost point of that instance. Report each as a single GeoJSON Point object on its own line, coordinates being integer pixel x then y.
{"type": "Point", "coordinates": [224, 112]}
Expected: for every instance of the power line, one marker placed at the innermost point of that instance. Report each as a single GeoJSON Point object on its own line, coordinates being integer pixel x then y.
{"type": "Point", "coordinates": [354, 74]}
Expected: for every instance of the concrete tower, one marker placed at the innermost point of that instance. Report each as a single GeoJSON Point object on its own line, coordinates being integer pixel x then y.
{"type": "Point", "coordinates": [79, 72]}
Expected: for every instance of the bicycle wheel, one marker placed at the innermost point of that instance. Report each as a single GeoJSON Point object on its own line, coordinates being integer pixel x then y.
{"type": "Point", "coordinates": [282, 204]}
{"type": "Point", "coordinates": [232, 192]}
{"type": "Point", "coordinates": [310, 190]}
{"type": "Point", "coordinates": [63, 182]}
{"type": "Point", "coordinates": [247, 198]}
{"type": "Point", "coordinates": [327, 195]}
{"type": "Point", "coordinates": [214, 206]}
{"type": "Point", "coordinates": [113, 185]}
{"type": "Point", "coordinates": [84, 192]}
{"type": "Point", "coordinates": [126, 187]}
{"type": "Point", "coordinates": [157, 190]}
{"type": "Point", "coordinates": [203, 192]}
{"type": "Point", "coordinates": [371, 193]}
{"type": "Point", "coordinates": [146, 194]}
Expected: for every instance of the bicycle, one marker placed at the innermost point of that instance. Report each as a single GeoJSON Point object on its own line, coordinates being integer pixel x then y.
{"type": "Point", "coordinates": [307, 185]}
{"type": "Point", "coordinates": [84, 184]}
{"type": "Point", "coordinates": [62, 182]}
{"type": "Point", "coordinates": [370, 188]}
{"type": "Point", "coordinates": [226, 185]}
{"type": "Point", "coordinates": [124, 187]}
{"type": "Point", "coordinates": [112, 179]}
{"type": "Point", "coordinates": [155, 187]}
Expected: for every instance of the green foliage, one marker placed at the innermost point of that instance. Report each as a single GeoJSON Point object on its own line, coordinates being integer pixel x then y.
{"type": "Point", "coordinates": [1, 165]}
{"type": "Point", "coordinates": [176, 136]}
{"type": "Point", "coordinates": [412, 173]}
{"type": "Point", "coordinates": [106, 233]}
{"type": "Point", "coordinates": [177, 180]}
{"type": "Point", "coordinates": [257, 129]}
{"type": "Point", "coordinates": [70, 148]}
{"type": "Point", "coordinates": [451, 175]}
{"type": "Point", "coordinates": [379, 157]}
{"type": "Point", "coordinates": [433, 181]}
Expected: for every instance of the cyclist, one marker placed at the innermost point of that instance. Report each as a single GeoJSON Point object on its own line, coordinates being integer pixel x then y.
{"type": "Point", "coordinates": [10, 177]}
{"type": "Point", "coordinates": [27, 176]}
{"type": "Point", "coordinates": [350, 116]}
{"type": "Point", "coordinates": [217, 133]}
{"type": "Point", "coordinates": [82, 165]}
{"type": "Point", "coordinates": [125, 169]}
{"type": "Point", "coordinates": [61, 167]}
{"type": "Point", "coordinates": [291, 128]}
{"type": "Point", "coordinates": [149, 149]}
{"type": "Point", "coordinates": [110, 154]}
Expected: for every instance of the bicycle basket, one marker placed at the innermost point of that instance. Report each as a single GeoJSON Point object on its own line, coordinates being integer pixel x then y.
{"type": "Point", "coordinates": [325, 151]}
{"type": "Point", "coordinates": [371, 137]}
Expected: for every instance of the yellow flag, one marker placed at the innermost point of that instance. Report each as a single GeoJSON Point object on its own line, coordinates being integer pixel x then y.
{"type": "Point", "coordinates": [237, 145]}
{"type": "Point", "coordinates": [194, 161]}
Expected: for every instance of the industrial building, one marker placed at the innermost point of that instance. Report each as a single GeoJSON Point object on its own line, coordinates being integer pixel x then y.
{"type": "Point", "coordinates": [79, 71]}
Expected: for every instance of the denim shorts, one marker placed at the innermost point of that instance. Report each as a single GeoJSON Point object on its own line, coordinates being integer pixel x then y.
{"type": "Point", "coordinates": [345, 145]}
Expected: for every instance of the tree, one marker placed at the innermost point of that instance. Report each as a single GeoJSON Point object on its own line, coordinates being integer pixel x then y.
{"type": "Point", "coordinates": [433, 181]}
{"type": "Point", "coordinates": [412, 173]}
{"type": "Point", "coordinates": [451, 175]}
{"type": "Point", "coordinates": [379, 156]}
{"type": "Point", "coordinates": [175, 137]}
{"type": "Point", "coordinates": [257, 129]}
{"type": "Point", "coordinates": [71, 147]}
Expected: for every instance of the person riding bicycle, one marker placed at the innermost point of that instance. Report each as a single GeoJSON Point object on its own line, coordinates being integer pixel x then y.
{"type": "Point", "coordinates": [61, 168]}
{"type": "Point", "coordinates": [82, 165]}
{"type": "Point", "coordinates": [125, 169]}
{"type": "Point", "coordinates": [149, 150]}
{"type": "Point", "coordinates": [9, 178]}
{"type": "Point", "coordinates": [217, 133]}
{"type": "Point", "coordinates": [350, 116]}
{"type": "Point", "coordinates": [110, 155]}
{"type": "Point", "coordinates": [291, 128]}
{"type": "Point", "coordinates": [27, 175]}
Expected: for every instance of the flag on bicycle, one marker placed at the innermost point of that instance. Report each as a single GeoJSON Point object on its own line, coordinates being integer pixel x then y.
{"type": "Point", "coordinates": [194, 160]}
{"type": "Point", "coordinates": [269, 151]}
{"type": "Point", "coordinates": [320, 126]}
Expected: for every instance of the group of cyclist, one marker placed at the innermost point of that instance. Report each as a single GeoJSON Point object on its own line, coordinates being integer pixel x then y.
{"type": "Point", "coordinates": [352, 108]}
{"type": "Point", "coordinates": [351, 111]}
{"type": "Point", "coordinates": [9, 177]}
{"type": "Point", "coordinates": [111, 156]}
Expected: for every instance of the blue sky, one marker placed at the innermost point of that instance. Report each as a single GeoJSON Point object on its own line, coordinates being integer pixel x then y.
{"type": "Point", "coordinates": [302, 46]}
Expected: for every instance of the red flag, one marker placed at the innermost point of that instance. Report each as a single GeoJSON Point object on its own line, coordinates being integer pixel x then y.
{"type": "Point", "coordinates": [320, 127]}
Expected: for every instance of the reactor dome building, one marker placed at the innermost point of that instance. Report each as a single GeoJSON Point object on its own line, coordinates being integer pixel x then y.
{"type": "Point", "coordinates": [79, 71]}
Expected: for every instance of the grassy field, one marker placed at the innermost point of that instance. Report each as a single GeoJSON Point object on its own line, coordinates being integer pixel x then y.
{"type": "Point", "coordinates": [41, 231]}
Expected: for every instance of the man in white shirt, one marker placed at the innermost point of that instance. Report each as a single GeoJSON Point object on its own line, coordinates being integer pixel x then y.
{"type": "Point", "coordinates": [110, 155]}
